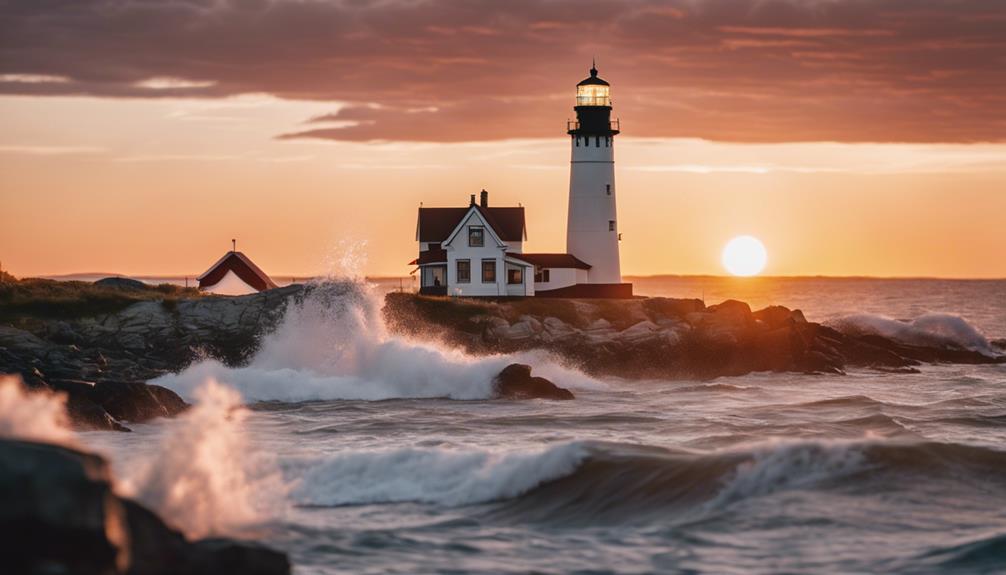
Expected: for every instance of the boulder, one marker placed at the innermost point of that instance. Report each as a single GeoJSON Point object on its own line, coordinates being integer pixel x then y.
{"type": "Point", "coordinates": [59, 514]}
{"type": "Point", "coordinates": [776, 316]}
{"type": "Point", "coordinates": [515, 382]}
{"type": "Point", "coordinates": [137, 402]}
{"type": "Point", "coordinates": [84, 412]}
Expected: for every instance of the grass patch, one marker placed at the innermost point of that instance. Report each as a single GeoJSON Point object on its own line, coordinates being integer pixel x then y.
{"type": "Point", "coordinates": [51, 299]}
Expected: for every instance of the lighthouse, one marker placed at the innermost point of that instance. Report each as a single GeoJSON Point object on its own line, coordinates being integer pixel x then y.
{"type": "Point", "coordinates": [592, 221]}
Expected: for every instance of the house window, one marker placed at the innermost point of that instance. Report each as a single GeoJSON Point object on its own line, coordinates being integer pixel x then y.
{"type": "Point", "coordinates": [541, 275]}
{"type": "Point", "coordinates": [434, 276]}
{"type": "Point", "coordinates": [607, 189]}
{"type": "Point", "coordinates": [432, 246]}
{"type": "Point", "coordinates": [488, 271]}
{"type": "Point", "coordinates": [611, 225]}
{"type": "Point", "coordinates": [476, 236]}
{"type": "Point", "coordinates": [464, 271]}
{"type": "Point", "coordinates": [514, 276]}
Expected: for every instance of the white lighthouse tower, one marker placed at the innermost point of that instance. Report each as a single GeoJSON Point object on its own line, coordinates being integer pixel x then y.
{"type": "Point", "coordinates": [592, 222]}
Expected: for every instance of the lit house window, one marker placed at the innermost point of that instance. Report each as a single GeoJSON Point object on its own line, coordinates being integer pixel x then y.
{"type": "Point", "coordinates": [488, 271]}
{"type": "Point", "coordinates": [514, 276]}
{"type": "Point", "coordinates": [611, 225]}
{"type": "Point", "coordinates": [476, 236]}
{"type": "Point", "coordinates": [464, 271]}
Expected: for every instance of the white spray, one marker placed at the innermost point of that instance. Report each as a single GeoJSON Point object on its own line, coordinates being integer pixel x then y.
{"type": "Point", "coordinates": [34, 416]}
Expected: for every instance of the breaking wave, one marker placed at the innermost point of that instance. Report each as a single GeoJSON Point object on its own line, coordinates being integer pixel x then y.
{"type": "Point", "coordinates": [931, 329]}
{"type": "Point", "coordinates": [594, 481]}
{"type": "Point", "coordinates": [334, 345]}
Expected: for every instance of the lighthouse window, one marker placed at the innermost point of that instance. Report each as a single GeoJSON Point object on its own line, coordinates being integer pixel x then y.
{"type": "Point", "coordinates": [476, 236]}
{"type": "Point", "coordinates": [607, 189]}
{"type": "Point", "coordinates": [611, 225]}
{"type": "Point", "coordinates": [464, 271]}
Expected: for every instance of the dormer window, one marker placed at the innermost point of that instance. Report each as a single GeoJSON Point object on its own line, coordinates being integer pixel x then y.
{"type": "Point", "coordinates": [476, 236]}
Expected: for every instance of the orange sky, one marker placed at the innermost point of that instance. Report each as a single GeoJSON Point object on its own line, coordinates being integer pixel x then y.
{"type": "Point", "coordinates": [853, 138]}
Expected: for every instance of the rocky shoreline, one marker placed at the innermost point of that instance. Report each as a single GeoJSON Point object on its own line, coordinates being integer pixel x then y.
{"type": "Point", "coordinates": [664, 337]}
{"type": "Point", "coordinates": [102, 361]}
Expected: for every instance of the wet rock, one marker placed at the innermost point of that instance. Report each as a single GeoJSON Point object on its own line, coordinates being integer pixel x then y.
{"type": "Point", "coordinates": [84, 412]}
{"type": "Point", "coordinates": [137, 402]}
{"type": "Point", "coordinates": [776, 316]}
{"type": "Point", "coordinates": [515, 382]}
{"type": "Point", "coordinates": [59, 514]}
{"type": "Point", "coordinates": [211, 556]}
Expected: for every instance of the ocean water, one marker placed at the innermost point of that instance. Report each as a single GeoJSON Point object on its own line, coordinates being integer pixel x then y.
{"type": "Point", "coordinates": [361, 452]}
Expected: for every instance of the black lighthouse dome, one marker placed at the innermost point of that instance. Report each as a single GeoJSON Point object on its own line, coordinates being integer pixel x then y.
{"type": "Point", "coordinates": [593, 79]}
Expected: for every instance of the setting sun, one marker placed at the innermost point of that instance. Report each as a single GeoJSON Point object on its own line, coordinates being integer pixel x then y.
{"type": "Point", "coordinates": [744, 256]}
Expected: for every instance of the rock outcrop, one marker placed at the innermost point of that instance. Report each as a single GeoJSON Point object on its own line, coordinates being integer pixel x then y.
{"type": "Point", "coordinates": [516, 382]}
{"type": "Point", "coordinates": [660, 337]}
{"type": "Point", "coordinates": [101, 361]}
{"type": "Point", "coordinates": [59, 514]}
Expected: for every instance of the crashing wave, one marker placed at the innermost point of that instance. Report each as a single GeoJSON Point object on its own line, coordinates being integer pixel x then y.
{"type": "Point", "coordinates": [594, 481]}
{"type": "Point", "coordinates": [334, 345]}
{"type": "Point", "coordinates": [931, 330]}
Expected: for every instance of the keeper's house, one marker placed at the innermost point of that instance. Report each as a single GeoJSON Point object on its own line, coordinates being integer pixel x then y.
{"type": "Point", "coordinates": [478, 251]}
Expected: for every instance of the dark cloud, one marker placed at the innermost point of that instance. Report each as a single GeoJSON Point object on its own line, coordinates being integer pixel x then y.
{"type": "Point", "coordinates": [742, 70]}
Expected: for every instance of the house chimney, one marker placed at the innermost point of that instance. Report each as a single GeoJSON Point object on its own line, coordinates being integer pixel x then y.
{"type": "Point", "coordinates": [484, 199]}
{"type": "Point", "coordinates": [472, 201]}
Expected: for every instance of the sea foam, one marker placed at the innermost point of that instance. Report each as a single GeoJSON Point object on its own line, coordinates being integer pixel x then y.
{"type": "Point", "coordinates": [931, 329]}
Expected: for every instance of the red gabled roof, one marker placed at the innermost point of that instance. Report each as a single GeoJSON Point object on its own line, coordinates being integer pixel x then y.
{"type": "Point", "coordinates": [436, 224]}
{"type": "Point", "coordinates": [242, 267]}
{"type": "Point", "coordinates": [552, 260]}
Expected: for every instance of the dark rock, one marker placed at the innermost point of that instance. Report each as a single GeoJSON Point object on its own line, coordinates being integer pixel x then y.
{"type": "Point", "coordinates": [135, 401]}
{"type": "Point", "coordinates": [515, 382]}
{"type": "Point", "coordinates": [670, 307]}
{"type": "Point", "coordinates": [776, 316]}
{"type": "Point", "coordinates": [128, 284]}
{"type": "Point", "coordinates": [213, 556]}
{"type": "Point", "coordinates": [58, 514]}
{"type": "Point", "coordinates": [84, 412]}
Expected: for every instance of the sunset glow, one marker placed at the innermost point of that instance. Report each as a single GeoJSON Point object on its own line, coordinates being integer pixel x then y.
{"type": "Point", "coordinates": [744, 256]}
{"type": "Point", "coordinates": [811, 124]}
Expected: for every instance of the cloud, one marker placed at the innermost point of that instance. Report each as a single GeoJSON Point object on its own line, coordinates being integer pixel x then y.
{"type": "Point", "coordinates": [730, 70]}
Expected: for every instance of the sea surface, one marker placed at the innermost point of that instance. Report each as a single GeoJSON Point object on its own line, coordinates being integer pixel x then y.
{"type": "Point", "coordinates": [361, 452]}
